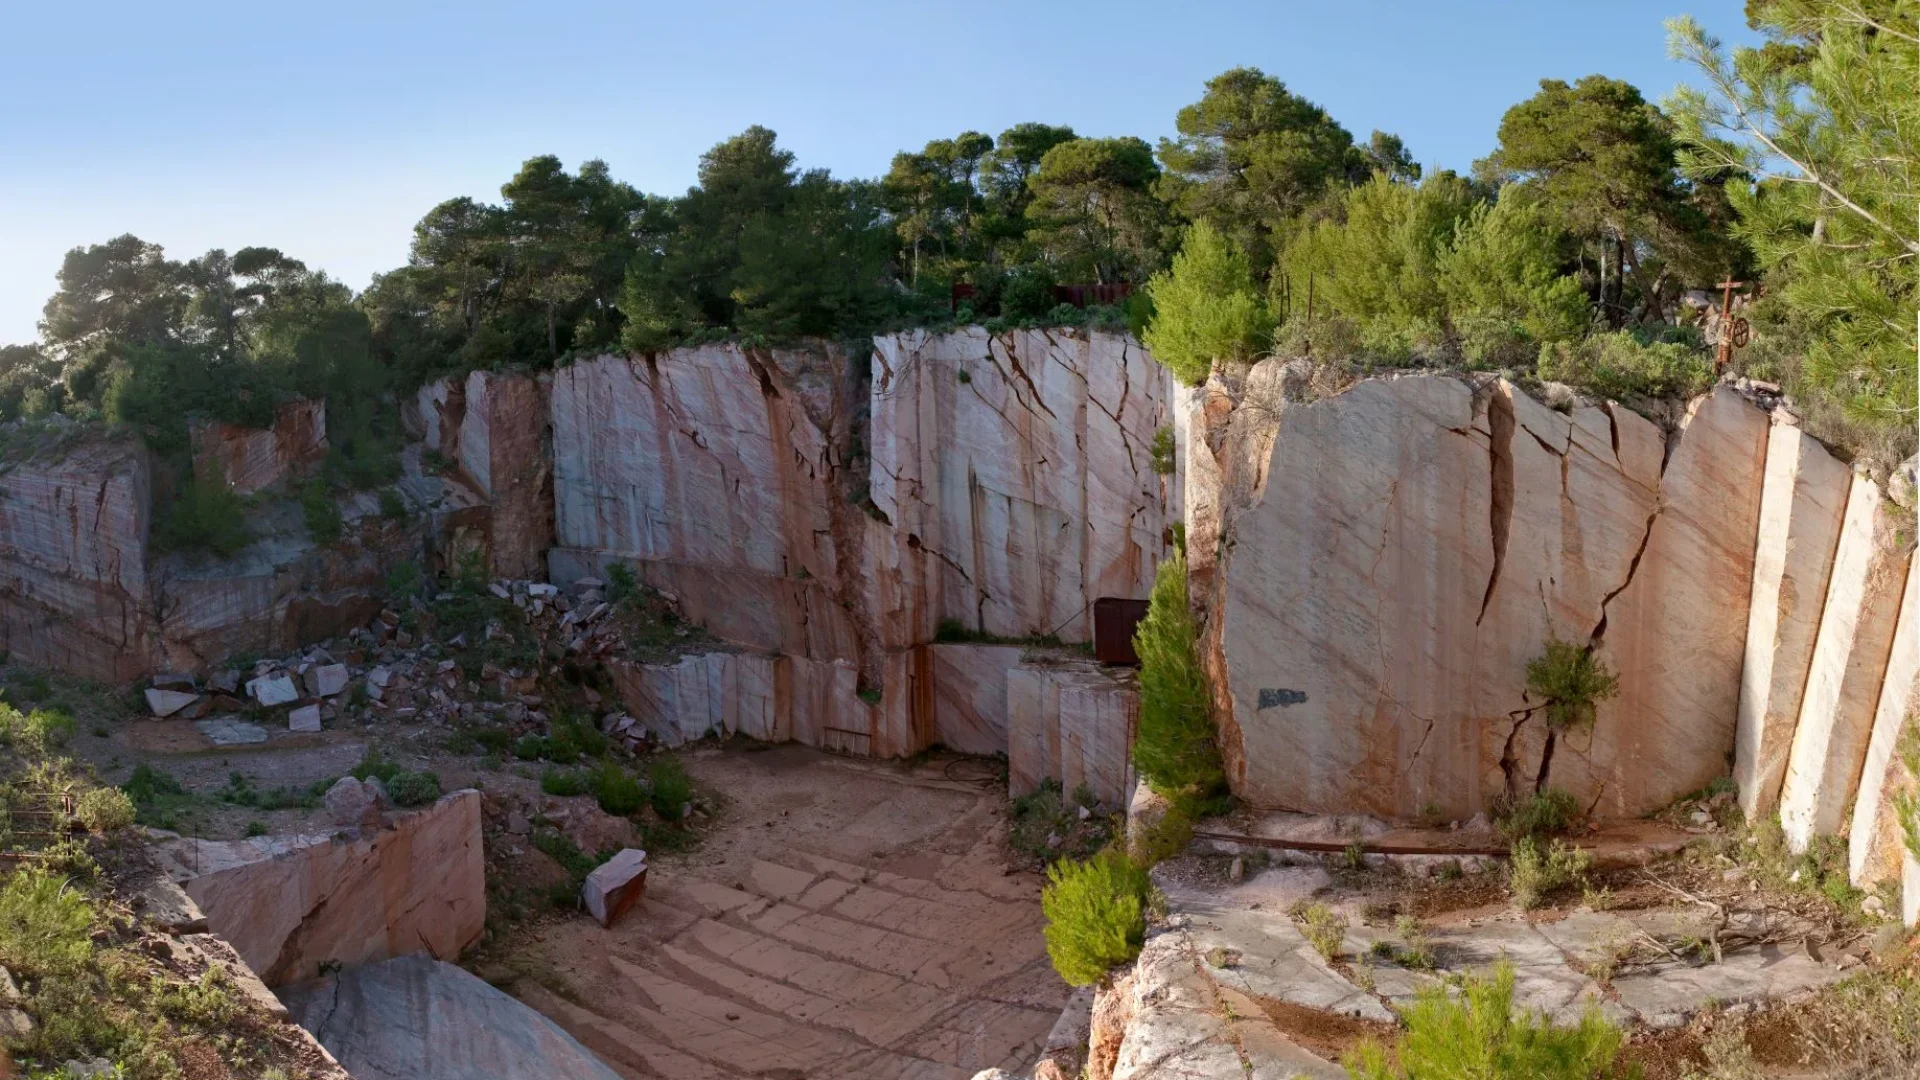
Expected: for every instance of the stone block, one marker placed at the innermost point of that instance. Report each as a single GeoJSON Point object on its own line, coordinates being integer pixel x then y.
{"type": "Point", "coordinates": [168, 702]}
{"type": "Point", "coordinates": [289, 904]}
{"type": "Point", "coordinates": [1850, 655]}
{"type": "Point", "coordinates": [326, 680]}
{"type": "Point", "coordinates": [1801, 505]}
{"type": "Point", "coordinates": [615, 885]}
{"type": "Point", "coordinates": [353, 803]}
{"type": "Point", "coordinates": [230, 731]}
{"type": "Point", "coordinates": [970, 696]}
{"type": "Point", "coordinates": [304, 718]}
{"type": "Point", "coordinates": [1874, 837]}
{"type": "Point", "coordinates": [271, 690]}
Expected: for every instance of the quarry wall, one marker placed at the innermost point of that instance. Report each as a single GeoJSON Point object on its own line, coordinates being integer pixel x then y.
{"type": "Point", "coordinates": [1378, 566]}
{"type": "Point", "coordinates": [877, 537]}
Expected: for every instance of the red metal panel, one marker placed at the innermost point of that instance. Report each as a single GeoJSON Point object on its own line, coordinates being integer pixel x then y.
{"type": "Point", "coordinates": [1114, 620]}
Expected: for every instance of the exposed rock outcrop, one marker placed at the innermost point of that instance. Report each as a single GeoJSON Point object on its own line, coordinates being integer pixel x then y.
{"type": "Point", "coordinates": [1390, 558]}
{"type": "Point", "coordinates": [1017, 467]}
{"type": "Point", "coordinates": [250, 460]}
{"type": "Point", "coordinates": [714, 473]}
{"type": "Point", "coordinates": [74, 594]}
{"type": "Point", "coordinates": [494, 428]}
{"type": "Point", "coordinates": [1875, 845]}
{"type": "Point", "coordinates": [1801, 504]}
{"type": "Point", "coordinates": [1849, 660]}
{"type": "Point", "coordinates": [290, 905]}
{"type": "Point", "coordinates": [1071, 721]}
{"type": "Point", "coordinates": [417, 1018]}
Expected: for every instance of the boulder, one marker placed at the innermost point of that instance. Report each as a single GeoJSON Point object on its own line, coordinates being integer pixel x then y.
{"type": "Point", "coordinates": [226, 681]}
{"type": "Point", "coordinates": [352, 803]}
{"type": "Point", "coordinates": [425, 1019]}
{"type": "Point", "coordinates": [168, 702]}
{"type": "Point", "coordinates": [304, 718]}
{"type": "Point", "coordinates": [326, 680]}
{"type": "Point", "coordinates": [615, 885]}
{"type": "Point", "coordinates": [271, 690]}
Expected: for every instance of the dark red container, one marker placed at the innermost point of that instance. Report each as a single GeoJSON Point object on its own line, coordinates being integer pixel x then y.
{"type": "Point", "coordinates": [1113, 622]}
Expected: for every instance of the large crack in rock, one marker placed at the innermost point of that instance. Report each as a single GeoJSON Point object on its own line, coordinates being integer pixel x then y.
{"type": "Point", "coordinates": [1373, 649]}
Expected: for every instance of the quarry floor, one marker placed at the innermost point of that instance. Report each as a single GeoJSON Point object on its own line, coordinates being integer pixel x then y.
{"type": "Point", "coordinates": [845, 919]}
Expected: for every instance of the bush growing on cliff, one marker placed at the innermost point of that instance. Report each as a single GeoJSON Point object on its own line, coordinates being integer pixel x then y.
{"type": "Point", "coordinates": [1627, 364]}
{"type": "Point", "coordinates": [1096, 915]}
{"type": "Point", "coordinates": [1569, 682]}
{"type": "Point", "coordinates": [1175, 748]}
{"type": "Point", "coordinates": [1472, 1030]}
{"type": "Point", "coordinates": [204, 516]}
{"type": "Point", "coordinates": [1206, 307]}
{"type": "Point", "coordinates": [105, 810]}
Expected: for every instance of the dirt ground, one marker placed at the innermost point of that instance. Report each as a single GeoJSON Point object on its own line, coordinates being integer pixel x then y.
{"type": "Point", "coordinates": [844, 919]}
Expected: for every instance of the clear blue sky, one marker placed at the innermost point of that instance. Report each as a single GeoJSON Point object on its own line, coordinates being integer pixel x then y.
{"type": "Point", "coordinates": [328, 129]}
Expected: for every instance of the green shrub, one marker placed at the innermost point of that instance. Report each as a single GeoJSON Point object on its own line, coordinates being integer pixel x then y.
{"type": "Point", "coordinates": [1548, 813]}
{"type": "Point", "coordinates": [1044, 825]}
{"type": "Point", "coordinates": [1620, 364]}
{"type": "Point", "coordinates": [1535, 872]}
{"type": "Point", "coordinates": [622, 586]}
{"type": "Point", "coordinates": [44, 924]}
{"type": "Point", "coordinates": [105, 810]}
{"type": "Point", "coordinates": [322, 513]}
{"type": "Point", "coordinates": [209, 1002]}
{"type": "Point", "coordinates": [413, 788]}
{"type": "Point", "coordinates": [531, 747]}
{"type": "Point", "coordinates": [668, 787]}
{"type": "Point", "coordinates": [1570, 682]}
{"type": "Point", "coordinates": [1174, 749]}
{"type": "Point", "coordinates": [617, 791]}
{"type": "Point", "coordinates": [392, 506]}
{"type": "Point", "coordinates": [1906, 803]}
{"type": "Point", "coordinates": [376, 766]}
{"type": "Point", "coordinates": [204, 516]}
{"type": "Point", "coordinates": [403, 581]}
{"type": "Point", "coordinates": [1472, 1032]}
{"type": "Point", "coordinates": [1325, 929]}
{"type": "Point", "coordinates": [1163, 451]}
{"type": "Point", "coordinates": [1096, 915]}
{"type": "Point", "coordinates": [1205, 308]}
{"type": "Point", "coordinates": [563, 782]}
{"type": "Point", "coordinates": [38, 732]}
{"type": "Point", "coordinates": [158, 799]}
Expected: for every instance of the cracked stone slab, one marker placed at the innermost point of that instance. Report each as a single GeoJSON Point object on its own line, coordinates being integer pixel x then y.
{"type": "Point", "coordinates": [1542, 977]}
{"type": "Point", "coordinates": [1276, 962]}
{"type": "Point", "coordinates": [230, 731]}
{"type": "Point", "coordinates": [1671, 993]}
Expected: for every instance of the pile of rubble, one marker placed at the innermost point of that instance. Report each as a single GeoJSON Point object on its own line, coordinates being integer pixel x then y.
{"type": "Point", "coordinates": [393, 669]}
